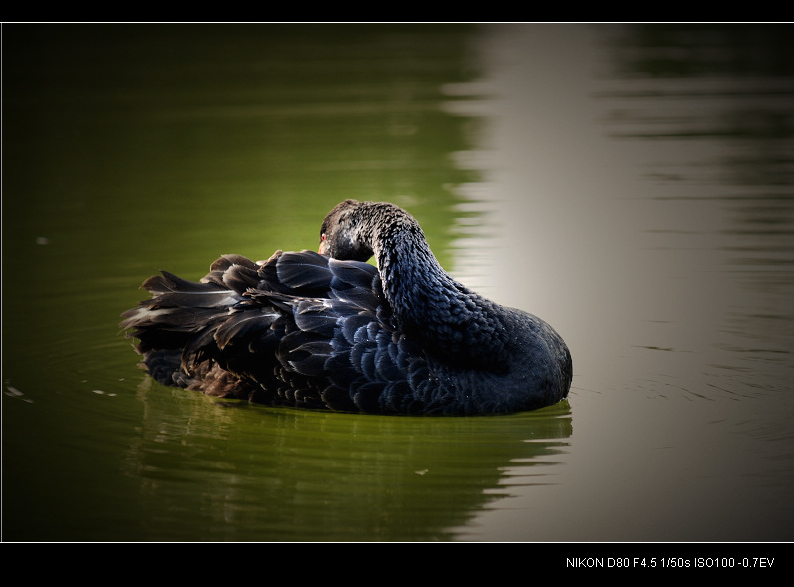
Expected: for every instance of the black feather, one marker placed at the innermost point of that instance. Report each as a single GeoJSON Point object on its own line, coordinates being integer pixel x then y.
{"type": "Point", "coordinates": [306, 272]}
{"type": "Point", "coordinates": [332, 331]}
{"type": "Point", "coordinates": [244, 325]}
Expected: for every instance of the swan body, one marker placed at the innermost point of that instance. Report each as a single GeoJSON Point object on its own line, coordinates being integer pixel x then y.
{"type": "Point", "coordinates": [328, 330]}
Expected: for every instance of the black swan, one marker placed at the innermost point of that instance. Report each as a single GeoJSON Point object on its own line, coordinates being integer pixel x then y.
{"type": "Point", "coordinates": [328, 330]}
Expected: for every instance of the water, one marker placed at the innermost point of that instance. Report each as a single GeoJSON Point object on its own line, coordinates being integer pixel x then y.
{"type": "Point", "coordinates": [629, 184]}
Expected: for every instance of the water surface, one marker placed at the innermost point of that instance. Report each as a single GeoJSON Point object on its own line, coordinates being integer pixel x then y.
{"type": "Point", "coordinates": [630, 185]}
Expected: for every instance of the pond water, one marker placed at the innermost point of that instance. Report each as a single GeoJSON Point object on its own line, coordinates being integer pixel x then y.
{"type": "Point", "coordinates": [632, 185]}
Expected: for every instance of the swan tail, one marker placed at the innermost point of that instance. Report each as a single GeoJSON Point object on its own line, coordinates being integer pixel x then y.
{"type": "Point", "coordinates": [299, 329]}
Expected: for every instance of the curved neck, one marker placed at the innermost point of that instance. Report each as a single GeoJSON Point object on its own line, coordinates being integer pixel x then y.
{"type": "Point", "coordinates": [447, 318]}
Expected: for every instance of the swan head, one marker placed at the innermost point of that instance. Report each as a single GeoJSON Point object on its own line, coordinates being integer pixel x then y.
{"type": "Point", "coordinates": [348, 231]}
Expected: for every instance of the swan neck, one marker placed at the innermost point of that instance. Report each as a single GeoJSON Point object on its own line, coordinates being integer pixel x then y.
{"type": "Point", "coordinates": [448, 319]}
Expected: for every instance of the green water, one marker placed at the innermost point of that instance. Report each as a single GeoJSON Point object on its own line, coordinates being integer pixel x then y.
{"type": "Point", "coordinates": [662, 254]}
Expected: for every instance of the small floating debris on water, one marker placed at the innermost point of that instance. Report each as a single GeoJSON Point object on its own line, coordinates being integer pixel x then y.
{"type": "Point", "coordinates": [100, 392]}
{"type": "Point", "coordinates": [14, 392]}
{"type": "Point", "coordinates": [42, 240]}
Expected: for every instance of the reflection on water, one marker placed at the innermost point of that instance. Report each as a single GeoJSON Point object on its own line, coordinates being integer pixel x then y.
{"type": "Point", "coordinates": [631, 185]}
{"type": "Point", "coordinates": [644, 196]}
{"type": "Point", "coordinates": [712, 106]}
{"type": "Point", "coordinates": [139, 148]}
{"type": "Point", "coordinates": [261, 473]}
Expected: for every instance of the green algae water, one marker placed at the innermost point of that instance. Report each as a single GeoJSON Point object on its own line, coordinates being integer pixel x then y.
{"type": "Point", "coordinates": [631, 185]}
